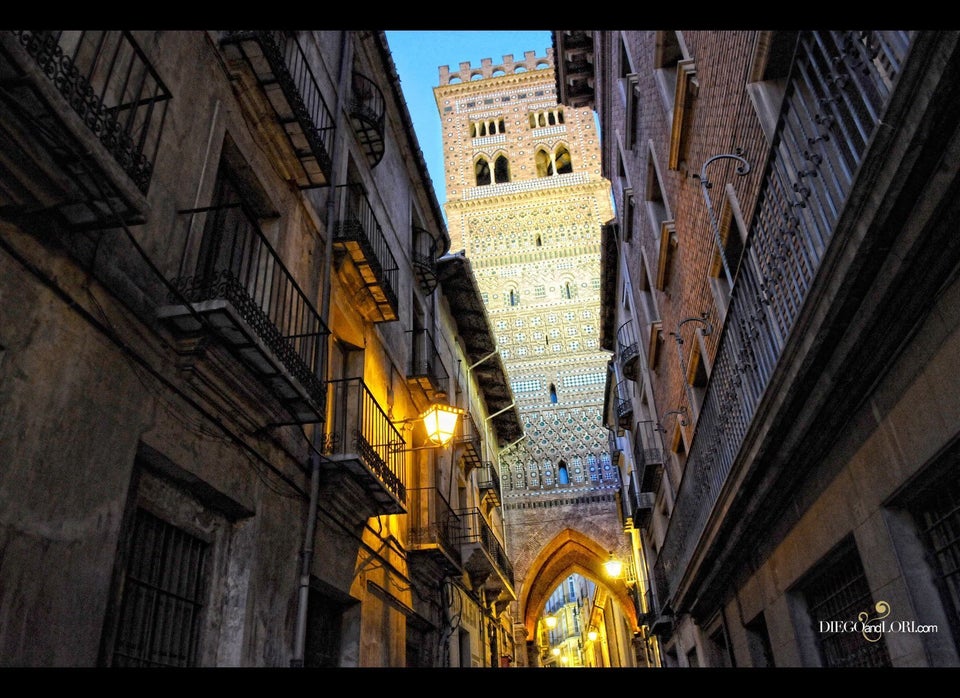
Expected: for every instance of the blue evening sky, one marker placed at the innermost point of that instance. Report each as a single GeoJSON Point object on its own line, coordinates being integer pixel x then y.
{"type": "Point", "coordinates": [418, 56]}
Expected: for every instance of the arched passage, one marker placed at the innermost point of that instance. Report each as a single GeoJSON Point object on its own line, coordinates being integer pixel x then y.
{"type": "Point", "coordinates": [570, 551]}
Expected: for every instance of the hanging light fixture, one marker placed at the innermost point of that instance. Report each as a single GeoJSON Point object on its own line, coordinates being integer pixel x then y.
{"type": "Point", "coordinates": [592, 635]}
{"type": "Point", "coordinates": [613, 567]}
{"type": "Point", "coordinates": [440, 421]}
{"type": "Point", "coordinates": [551, 622]}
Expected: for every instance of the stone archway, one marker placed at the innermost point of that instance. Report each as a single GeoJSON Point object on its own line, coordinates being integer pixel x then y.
{"type": "Point", "coordinates": [570, 551]}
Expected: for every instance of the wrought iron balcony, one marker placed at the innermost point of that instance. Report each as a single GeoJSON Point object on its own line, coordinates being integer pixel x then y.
{"type": "Point", "coordinates": [488, 482]}
{"type": "Point", "coordinates": [624, 406]}
{"type": "Point", "coordinates": [81, 116]}
{"type": "Point", "coordinates": [647, 456]}
{"type": "Point", "coordinates": [628, 349]}
{"type": "Point", "coordinates": [425, 259]}
{"type": "Point", "coordinates": [435, 530]}
{"type": "Point", "coordinates": [835, 101]}
{"type": "Point", "coordinates": [367, 109]}
{"type": "Point", "coordinates": [233, 283]}
{"type": "Point", "coordinates": [484, 557]}
{"type": "Point", "coordinates": [282, 69]}
{"type": "Point", "coordinates": [640, 504]}
{"type": "Point", "coordinates": [470, 437]}
{"type": "Point", "coordinates": [364, 445]}
{"type": "Point", "coordinates": [359, 238]}
{"type": "Point", "coordinates": [426, 367]}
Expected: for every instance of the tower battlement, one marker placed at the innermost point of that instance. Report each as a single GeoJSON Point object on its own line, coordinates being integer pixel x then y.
{"type": "Point", "coordinates": [487, 69]}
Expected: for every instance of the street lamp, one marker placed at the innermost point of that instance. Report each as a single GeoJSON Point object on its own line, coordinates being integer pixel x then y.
{"type": "Point", "coordinates": [613, 567]}
{"type": "Point", "coordinates": [440, 421]}
{"type": "Point", "coordinates": [551, 622]}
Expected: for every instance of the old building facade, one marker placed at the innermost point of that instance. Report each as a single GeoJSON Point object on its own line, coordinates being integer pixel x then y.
{"type": "Point", "coordinates": [526, 202]}
{"type": "Point", "coordinates": [780, 294]}
{"type": "Point", "coordinates": [228, 308]}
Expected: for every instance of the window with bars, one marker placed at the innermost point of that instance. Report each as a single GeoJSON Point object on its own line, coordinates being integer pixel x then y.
{"type": "Point", "coordinates": [164, 589]}
{"type": "Point", "coordinates": [937, 513]}
{"type": "Point", "coordinates": [838, 591]}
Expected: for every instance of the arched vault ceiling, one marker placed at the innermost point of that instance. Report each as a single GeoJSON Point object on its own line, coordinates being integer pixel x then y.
{"type": "Point", "coordinates": [570, 551]}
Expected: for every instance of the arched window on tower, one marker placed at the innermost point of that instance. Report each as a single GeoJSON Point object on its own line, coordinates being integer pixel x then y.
{"type": "Point", "coordinates": [539, 241]}
{"type": "Point", "coordinates": [513, 298]}
{"type": "Point", "coordinates": [482, 170]}
{"type": "Point", "coordinates": [563, 477]}
{"type": "Point", "coordinates": [553, 393]}
{"type": "Point", "coordinates": [501, 169]}
{"type": "Point", "coordinates": [544, 163]}
{"type": "Point", "coordinates": [562, 160]}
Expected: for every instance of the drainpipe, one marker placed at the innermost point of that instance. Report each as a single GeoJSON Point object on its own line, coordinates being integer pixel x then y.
{"type": "Point", "coordinates": [306, 555]}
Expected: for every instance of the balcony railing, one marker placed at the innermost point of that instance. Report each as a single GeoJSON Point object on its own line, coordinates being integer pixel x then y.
{"type": "Point", "coordinates": [470, 438]}
{"type": "Point", "coordinates": [485, 559]}
{"type": "Point", "coordinates": [624, 405]}
{"type": "Point", "coordinates": [426, 366]}
{"type": "Point", "coordinates": [367, 109]}
{"type": "Point", "coordinates": [628, 349]}
{"type": "Point", "coordinates": [361, 439]}
{"type": "Point", "coordinates": [435, 529]}
{"type": "Point", "coordinates": [425, 259]}
{"type": "Point", "coordinates": [488, 482]}
{"type": "Point", "coordinates": [233, 279]}
{"type": "Point", "coordinates": [282, 68]}
{"type": "Point", "coordinates": [359, 235]}
{"type": "Point", "coordinates": [114, 95]}
{"type": "Point", "coordinates": [647, 455]}
{"type": "Point", "coordinates": [835, 99]}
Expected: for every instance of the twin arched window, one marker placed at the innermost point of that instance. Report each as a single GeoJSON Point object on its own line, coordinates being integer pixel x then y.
{"type": "Point", "coordinates": [500, 173]}
{"type": "Point", "coordinates": [553, 163]}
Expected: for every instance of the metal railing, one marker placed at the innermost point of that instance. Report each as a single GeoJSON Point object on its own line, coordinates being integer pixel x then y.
{"type": "Point", "coordinates": [489, 479]}
{"type": "Point", "coordinates": [433, 521]}
{"type": "Point", "coordinates": [233, 261]}
{"type": "Point", "coordinates": [425, 259]}
{"type": "Point", "coordinates": [425, 360]}
{"type": "Point", "coordinates": [838, 87]}
{"type": "Point", "coordinates": [359, 225]}
{"type": "Point", "coordinates": [367, 108]}
{"type": "Point", "coordinates": [624, 405]}
{"type": "Point", "coordinates": [109, 83]}
{"type": "Point", "coordinates": [289, 68]}
{"type": "Point", "coordinates": [476, 530]}
{"type": "Point", "coordinates": [471, 438]}
{"type": "Point", "coordinates": [358, 426]}
{"type": "Point", "coordinates": [628, 349]}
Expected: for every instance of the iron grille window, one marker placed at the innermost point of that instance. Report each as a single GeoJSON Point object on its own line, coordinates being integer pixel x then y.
{"type": "Point", "coordinates": [839, 592]}
{"type": "Point", "coordinates": [162, 604]}
{"type": "Point", "coordinates": [938, 516]}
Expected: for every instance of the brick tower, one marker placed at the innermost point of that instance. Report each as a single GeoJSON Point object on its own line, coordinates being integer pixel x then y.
{"type": "Point", "coordinates": [525, 203]}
